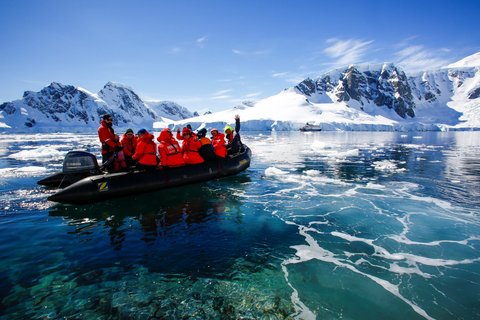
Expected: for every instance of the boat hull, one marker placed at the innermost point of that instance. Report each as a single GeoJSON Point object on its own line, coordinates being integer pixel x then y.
{"type": "Point", "coordinates": [113, 185]}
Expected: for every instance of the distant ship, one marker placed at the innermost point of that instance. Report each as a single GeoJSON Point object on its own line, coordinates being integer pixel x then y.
{"type": "Point", "coordinates": [311, 127]}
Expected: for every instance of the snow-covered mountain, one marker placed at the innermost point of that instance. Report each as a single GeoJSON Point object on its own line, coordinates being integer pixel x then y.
{"type": "Point", "coordinates": [367, 97]}
{"type": "Point", "coordinates": [59, 107]}
{"type": "Point", "coordinates": [169, 110]}
{"type": "Point", "coordinates": [357, 97]}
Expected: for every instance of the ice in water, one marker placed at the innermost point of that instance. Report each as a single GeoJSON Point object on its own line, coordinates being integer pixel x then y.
{"type": "Point", "coordinates": [324, 225]}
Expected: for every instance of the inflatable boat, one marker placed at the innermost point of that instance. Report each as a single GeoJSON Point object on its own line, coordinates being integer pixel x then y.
{"type": "Point", "coordinates": [84, 182]}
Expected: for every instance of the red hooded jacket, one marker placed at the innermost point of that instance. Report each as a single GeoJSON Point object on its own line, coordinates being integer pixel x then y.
{"type": "Point", "coordinates": [129, 144]}
{"type": "Point", "coordinates": [106, 135]}
{"type": "Point", "coordinates": [169, 150]}
{"type": "Point", "coordinates": [146, 151]}
{"type": "Point", "coordinates": [190, 148]}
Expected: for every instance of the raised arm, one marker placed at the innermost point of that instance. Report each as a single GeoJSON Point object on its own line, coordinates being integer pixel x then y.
{"type": "Point", "coordinates": [237, 123]}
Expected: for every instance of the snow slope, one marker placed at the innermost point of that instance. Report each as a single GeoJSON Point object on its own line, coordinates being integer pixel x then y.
{"type": "Point", "coordinates": [373, 98]}
{"type": "Point", "coordinates": [467, 62]}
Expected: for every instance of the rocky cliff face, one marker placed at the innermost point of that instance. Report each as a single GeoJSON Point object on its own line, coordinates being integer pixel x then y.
{"type": "Point", "coordinates": [169, 110]}
{"type": "Point", "coordinates": [128, 104]}
{"type": "Point", "coordinates": [64, 106]}
{"type": "Point", "coordinates": [385, 86]}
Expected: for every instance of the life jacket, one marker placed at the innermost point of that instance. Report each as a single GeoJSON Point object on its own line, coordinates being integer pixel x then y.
{"type": "Point", "coordinates": [206, 150]}
{"type": "Point", "coordinates": [129, 145]}
{"type": "Point", "coordinates": [106, 135]}
{"type": "Point", "coordinates": [169, 150]}
{"type": "Point", "coordinates": [204, 141]}
{"type": "Point", "coordinates": [146, 151]}
{"type": "Point", "coordinates": [190, 152]}
{"type": "Point", "coordinates": [219, 147]}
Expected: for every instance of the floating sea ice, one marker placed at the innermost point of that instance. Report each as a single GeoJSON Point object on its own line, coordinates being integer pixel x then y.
{"type": "Point", "coordinates": [387, 165]}
{"type": "Point", "coordinates": [318, 146]}
{"type": "Point", "coordinates": [25, 171]}
{"type": "Point", "coordinates": [273, 172]}
{"type": "Point", "coordinates": [371, 185]}
{"type": "Point", "coordinates": [31, 169]}
{"type": "Point", "coordinates": [312, 173]}
{"type": "Point", "coordinates": [343, 154]}
{"type": "Point", "coordinates": [34, 154]}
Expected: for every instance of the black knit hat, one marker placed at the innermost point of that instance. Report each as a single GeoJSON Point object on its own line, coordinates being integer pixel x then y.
{"type": "Point", "coordinates": [202, 133]}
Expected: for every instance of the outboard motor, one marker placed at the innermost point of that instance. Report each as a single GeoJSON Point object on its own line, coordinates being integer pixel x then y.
{"type": "Point", "coordinates": [76, 166]}
{"type": "Point", "coordinates": [80, 162]}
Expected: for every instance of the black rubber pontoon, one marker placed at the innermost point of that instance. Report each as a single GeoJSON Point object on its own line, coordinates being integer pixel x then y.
{"type": "Point", "coordinates": [113, 185]}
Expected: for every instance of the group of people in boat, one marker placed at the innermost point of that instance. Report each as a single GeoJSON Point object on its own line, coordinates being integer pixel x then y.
{"type": "Point", "coordinates": [141, 151]}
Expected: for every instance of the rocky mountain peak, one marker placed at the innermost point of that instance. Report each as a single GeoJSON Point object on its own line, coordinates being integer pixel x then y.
{"type": "Point", "coordinates": [384, 86]}
{"type": "Point", "coordinates": [125, 99]}
{"type": "Point", "coordinates": [59, 105]}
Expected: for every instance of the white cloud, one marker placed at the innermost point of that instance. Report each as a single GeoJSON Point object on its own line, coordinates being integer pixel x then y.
{"type": "Point", "coordinates": [251, 53]}
{"type": "Point", "coordinates": [221, 97]}
{"type": "Point", "coordinates": [418, 58]}
{"type": "Point", "coordinates": [175, 50]}
{"type": "Point", "coordinates": [348, 51]}
{"type": "Point", "coordinates": [201, 41]}
{"type": "Point", "coordinates": [218, 93]}
{"type": "Point", "coordinates": [279, 74]}
{"type": "Point", "coordinates": [261, 52]}
{"type": "Point", "coordinates": [252, 95]}
{"type": "Point", "coordinates": [290, 77]}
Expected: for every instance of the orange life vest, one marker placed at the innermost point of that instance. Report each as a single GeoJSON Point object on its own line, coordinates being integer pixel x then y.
{"type": "Point", "coordinates": [169, 150]}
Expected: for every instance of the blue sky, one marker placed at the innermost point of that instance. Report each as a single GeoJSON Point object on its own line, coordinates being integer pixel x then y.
{"type": "Point", "coordinates": [211, 55]}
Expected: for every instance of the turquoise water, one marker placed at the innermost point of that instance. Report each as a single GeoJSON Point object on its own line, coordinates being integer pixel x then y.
{"type": "Point", "coordinates": [321, 226]}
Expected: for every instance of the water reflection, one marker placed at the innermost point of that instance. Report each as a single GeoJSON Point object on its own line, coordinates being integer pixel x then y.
{"type": "Point", "coordinates": [157, 214]}
{"type": "Point", "coordinates": [197, 230]}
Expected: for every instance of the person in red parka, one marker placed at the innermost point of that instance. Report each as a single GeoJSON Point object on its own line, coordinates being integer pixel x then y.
{"type": "Point", "coordinates": [110, 145]}
{"type": "Point", "coordinates": [179, 133]}
{"type": "Point", "coordinates": [169, 150]}
{"type": "Point", "coordinates": [129, 143]}
{"type": "Point", "coordinates": [146, 152]}
{"type": "Point", "coordinates": [190, 146]}
{"type": "Point", "coordinates": [218, 142]}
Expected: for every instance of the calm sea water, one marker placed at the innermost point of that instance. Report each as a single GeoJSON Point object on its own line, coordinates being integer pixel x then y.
{"type": "Point", "coordinates": [322, 226]}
